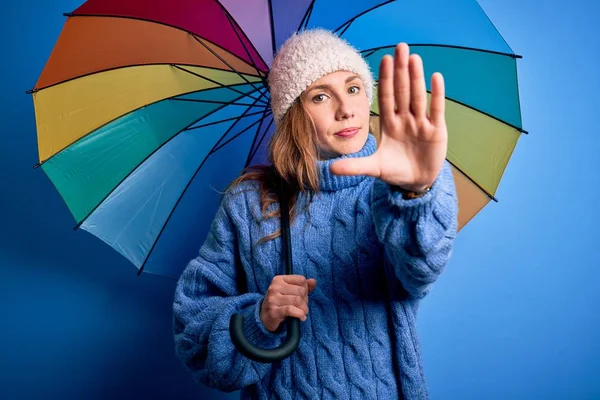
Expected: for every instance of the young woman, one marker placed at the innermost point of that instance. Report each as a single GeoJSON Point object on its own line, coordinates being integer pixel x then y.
{"type": "Point", "coordinates": [372, 228]}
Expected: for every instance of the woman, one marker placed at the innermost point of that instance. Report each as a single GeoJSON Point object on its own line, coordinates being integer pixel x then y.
{"type": "Point", "coordinates": [372, 228]}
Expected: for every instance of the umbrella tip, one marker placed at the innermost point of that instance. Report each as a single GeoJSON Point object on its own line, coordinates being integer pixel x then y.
{"type": "Point", "coordinates": [36, 166]}
{"type": "Point", "coordinates": [68, 14]}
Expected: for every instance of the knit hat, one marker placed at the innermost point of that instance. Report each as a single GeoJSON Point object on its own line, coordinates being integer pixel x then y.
{"type": "Point", "coordinates": [306, 57]}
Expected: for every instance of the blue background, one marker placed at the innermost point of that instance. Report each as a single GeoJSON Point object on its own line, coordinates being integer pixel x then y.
{"type": "Point", "coordinates": [515, 314]}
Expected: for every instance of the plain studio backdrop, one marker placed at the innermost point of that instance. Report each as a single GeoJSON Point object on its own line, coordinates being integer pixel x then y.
{"type": "Point", "coordinates": [513, 316]}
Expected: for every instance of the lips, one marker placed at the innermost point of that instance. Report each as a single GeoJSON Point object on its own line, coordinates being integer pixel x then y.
{"type": "Point", "coordinates": [346, 133]}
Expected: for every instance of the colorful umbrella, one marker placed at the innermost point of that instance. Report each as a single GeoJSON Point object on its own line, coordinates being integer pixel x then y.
{"type": "Point", "coordinates": [146, 109]}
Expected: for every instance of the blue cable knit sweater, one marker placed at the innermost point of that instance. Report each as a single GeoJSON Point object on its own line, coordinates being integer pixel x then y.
{"type": "Point", "coordinates": [374, 256]}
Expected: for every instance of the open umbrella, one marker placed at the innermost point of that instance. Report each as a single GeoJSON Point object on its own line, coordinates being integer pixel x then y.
{"type": "Point", "coordinates": [146, 108]}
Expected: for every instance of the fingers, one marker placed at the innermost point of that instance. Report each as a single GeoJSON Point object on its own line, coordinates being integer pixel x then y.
{"type": "Point", "coordinates": [357, 166]}
{"type": "Point", "coordinates": [402, 87]}
{"type": "Point", "coordinates": [288, 296]}
{"type": "Point", "coordinates": [298, 302]}
{"type": "Point", "coordinates": [275, 309]}
{"type": "Point", "coordinates": [291, 285]}
{"type": "Point", "coordinates": [312, 284]}
{"type": "Point", "coordinates": [418, 90]}
{"type": "Point", "coordinates": [402, 78]}
{"type": "Point", "coordinates": [438, 100]}
{"type": "Point", "coordinates": [385, 89]}
{"type": "Point", "coordinates": [291, 311]}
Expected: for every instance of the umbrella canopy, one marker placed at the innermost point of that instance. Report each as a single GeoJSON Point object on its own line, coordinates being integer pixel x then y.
{"type": "Point", "coordinates": [145, 110]}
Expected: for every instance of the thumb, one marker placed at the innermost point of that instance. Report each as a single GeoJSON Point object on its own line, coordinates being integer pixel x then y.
{"type": "Point", "coordinates": [357, 166]}
{"type": "Point", "coordinates": [312, 283]}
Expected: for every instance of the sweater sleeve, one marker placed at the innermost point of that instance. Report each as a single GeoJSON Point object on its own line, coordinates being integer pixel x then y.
{"type": "Point", "coordinates": [417, 235]}
{"type": "Point", "coordinates": [206, 296]}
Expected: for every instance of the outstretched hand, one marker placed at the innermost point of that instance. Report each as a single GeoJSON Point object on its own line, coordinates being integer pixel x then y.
{"type": "Point", "coordinates": [413, 142]}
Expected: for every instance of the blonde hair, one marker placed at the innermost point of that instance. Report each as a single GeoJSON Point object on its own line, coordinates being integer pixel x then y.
{"type": "Point", "coordinates": [292, 151]}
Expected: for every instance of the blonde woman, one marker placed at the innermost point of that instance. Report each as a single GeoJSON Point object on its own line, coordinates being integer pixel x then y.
{"type": "Point", "coordinates": [372, 228]}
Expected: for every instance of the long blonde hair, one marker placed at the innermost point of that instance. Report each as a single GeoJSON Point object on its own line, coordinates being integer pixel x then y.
{"type": "Point", "coordinates": [292, 151]}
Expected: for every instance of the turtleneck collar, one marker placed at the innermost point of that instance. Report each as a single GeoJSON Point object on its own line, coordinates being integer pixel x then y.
{"type": "Point", "coordinates": [332, 182]}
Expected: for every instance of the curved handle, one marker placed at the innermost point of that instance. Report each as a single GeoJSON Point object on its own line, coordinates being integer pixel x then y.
{"type": "Point", "coordinates": [236, 330]}
{"type": "Point", "coordinates": [236, 324]}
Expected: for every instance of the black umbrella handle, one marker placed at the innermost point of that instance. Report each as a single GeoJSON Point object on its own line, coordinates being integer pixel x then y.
{"type": "Point", "coordinates": [236, 330]}
{"type": "Point", "coordinates": [236, 324]}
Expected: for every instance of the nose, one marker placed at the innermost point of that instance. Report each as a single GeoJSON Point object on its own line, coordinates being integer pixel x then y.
{"type": "Point", "coordinates": [344, 110]}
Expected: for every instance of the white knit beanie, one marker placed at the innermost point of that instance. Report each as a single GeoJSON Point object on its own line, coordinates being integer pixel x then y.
{"type": "Point", "coordinates": [306, 57]}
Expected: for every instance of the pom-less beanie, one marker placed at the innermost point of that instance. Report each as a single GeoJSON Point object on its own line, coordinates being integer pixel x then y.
{"type": "Point", "coordinates": [306, 57]}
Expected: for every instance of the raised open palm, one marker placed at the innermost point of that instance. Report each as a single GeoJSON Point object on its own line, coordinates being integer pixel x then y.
{"type": "Point", "coordinates": [413, 142]}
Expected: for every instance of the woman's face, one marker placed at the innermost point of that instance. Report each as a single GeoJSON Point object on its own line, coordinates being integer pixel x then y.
{"type": "Point", "coordinates": [339, 107]}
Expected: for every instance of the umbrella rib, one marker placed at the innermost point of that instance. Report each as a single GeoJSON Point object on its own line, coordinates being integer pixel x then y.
{"type": "Point", "coordinates": [221, 121]}
{"type": "Point", "coordinates": [179, 200]}
{"type": "Point", "coordinates": [39, 164]}
{"type": "Point", "coordinates": [346, 28]}
{"type": "Point", "coordinates": [251, 156]}
{"type": "Point", "coordinates": [306, 16]}
{"type": "Point", "coordinates": [225, 62]}
{"type": "Point", "coordinates": [374, 49]}
{"type": "Point", "coordinates": [233, 26]}
{"type": "Point", "coordinates": [254, 139]}
{"type": "Point", "coordinates": [472, 180]}
{"type": "Point", "coordinates": [218, 83]}
{"type": "Point", "coordinates": [146, 158]}
{"type": "Point", "coordinates": [36, 90]}
{"type": "Point", "coordinates": [351, 20]}
{"type": "Point", "coordinates": [244, 114]}
{"type": "Point", "coordinates": [214, 150]}
{"type": "Point", "coordinates": [370, 54]}
{"type": "Point", "coordinates": [496, 29]}
{"type": "Point", "coordinates": [521, 130]}
{"type": "Point", "coordinates": [229, 103]}
{"type": "Point", "coordinates": [272, 21]}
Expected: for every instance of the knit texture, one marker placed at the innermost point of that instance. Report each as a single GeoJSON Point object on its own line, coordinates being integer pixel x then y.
{"type": "Point", "coordinates": [374, 256]}
{"type": "Point", "coordinates": [306, 57]}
